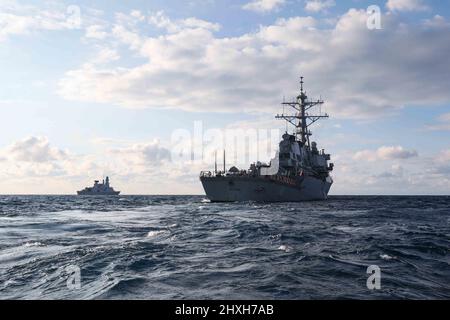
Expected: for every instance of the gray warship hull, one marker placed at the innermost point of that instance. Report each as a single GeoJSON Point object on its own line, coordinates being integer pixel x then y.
{"type": "Point", "coordinates": [265, 189]}
{"type": "Point", "coordinates": [90, 193]}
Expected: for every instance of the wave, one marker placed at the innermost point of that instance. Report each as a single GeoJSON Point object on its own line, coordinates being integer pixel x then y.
{"type": "Point", "coordinates": [185, 247]}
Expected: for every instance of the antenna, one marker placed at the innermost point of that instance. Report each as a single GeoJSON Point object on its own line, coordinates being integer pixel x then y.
{"type": "Point", "coordinates": [215, 163]}
{"type": "Point", "coordinates": [284, 101]}
{"type": "Point", "coordinates": [224, 161]}
{"type": "Point", "coordinates": [301, 84]}
{"type": "Point", "coordinates": [302, 119]}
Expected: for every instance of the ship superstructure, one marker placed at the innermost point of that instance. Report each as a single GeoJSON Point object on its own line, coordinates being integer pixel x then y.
{"type": "Point", "coordinates": [99, 189]}
{"type": "Point", "coordinates": [299, 171]}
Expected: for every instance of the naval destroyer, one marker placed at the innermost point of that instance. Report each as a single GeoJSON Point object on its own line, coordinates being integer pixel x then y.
{"type": "Point", "coordinates": [99, 189]}
{"type": "Point", "coordinates": [299, 171]}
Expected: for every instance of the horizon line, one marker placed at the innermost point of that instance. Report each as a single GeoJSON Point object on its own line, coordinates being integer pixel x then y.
{"type": "Point", "coordinates": [204, 195]}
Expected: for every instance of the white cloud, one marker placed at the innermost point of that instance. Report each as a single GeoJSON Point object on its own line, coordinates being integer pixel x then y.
{"type": "Point", "coordinates": [17, 19]}
{"type": "Point", "coordinates": [14, 25]}
{"type": "Point", "coordinates": [127, 37]}
{"type": "Point", "coordinates": [34, 149]}
{"type": "Point", "coordinates": [445, 117]}
{"type": "Point", "coordinates": [436, 22]}
{"type": "Point", "coordinates": [385, 153]}
{"type": "Point", "coordinates": [444, 156]}
{"type": "Point", "coordinates": [263, 5]}
{"type": "Point", "coordinates": [144, 153]}
{"type": "Point", "coordinates": [396, 153]}
{"type": "Point", "coordinates": [406, 5]}
{"type": "Point", "coordinates": [360, 73]}
{"type": "Point", "coordinates": [319, 5]}
{"type": "Point", "coordinates": [96, 32]}
{"type": "Point", "coordinates": [106, 55]}
{"type": "Point", "coordinates": [31, 159]}
{"type": "Point", "coordinates": [396, 171]}
{"type": "Point", "coordinates": [443, 123]}
{"type": "Point", "coordinates": [22, 20]}
{"type": "Point", "coordinates": [424, 175]}
{"type": "Point", "coordinates": [160, 20]}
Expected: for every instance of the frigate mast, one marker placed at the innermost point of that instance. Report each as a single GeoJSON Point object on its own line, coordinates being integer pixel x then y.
{"type": "Point", "coordinates": [301, 118]}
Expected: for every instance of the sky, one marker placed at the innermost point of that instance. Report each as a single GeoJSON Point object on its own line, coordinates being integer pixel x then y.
{"type": "Point", "coordinates": [147, 91]}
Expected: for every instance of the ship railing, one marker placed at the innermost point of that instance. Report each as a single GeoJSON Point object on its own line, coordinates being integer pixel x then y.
{"type": "Point", "coordinates": [242, 173]}
{"type": "Point", "coordinates": [206, 174]}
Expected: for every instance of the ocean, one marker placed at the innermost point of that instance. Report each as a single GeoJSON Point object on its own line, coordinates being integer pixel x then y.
{"type": "Point", "coordinates": [183, 247]}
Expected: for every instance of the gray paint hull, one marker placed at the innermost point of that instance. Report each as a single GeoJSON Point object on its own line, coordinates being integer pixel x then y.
{"type": "Point", "coordinates": [86, 193]}
{"type": "Point", "coordinates": [232, 189]}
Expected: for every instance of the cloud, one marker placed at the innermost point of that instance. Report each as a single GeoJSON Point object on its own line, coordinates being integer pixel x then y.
{"type": "Point", "coordinates": [30, 158]}
{"type": "Point", "coordinates": [18, 19]}
{"type": "Point", "coordinates": [106, 55]}
{"type": "Point", "coordinates": [263, 5]}
{"type": "Point", "coordinates": [406, 5]}
{"type": "Point", "coordinates": [443, 123]}
{"type": "Point", "coordinates": [96, 32]}
{"type": "Point", "coordinates": [360, 73]}
{"type": "Point", "coordinates": [34, 149]}
{"type": "Point", "coordinates": [444, 156]}
{"type": "Point", "coordinates": [144, 153]}
{"type": "Point", "coordinates": [440, 164]}
{"type": "Point", "coordinates": [160, 20]}
{"type": "Point", "coordinates": [424, 175]}
{"type": "Point", "coordinates": [21, 20]}
{"type": "Point", "coordinates": [395, 172]}
{"type": "Point", "coordinates": [385, 153]}
{"type": "Point", "coordinates": [319, 5]}
{"type": "Point", "coordinates": [396, 153]}
{"type": "Point", "coordinates": [147, 168]}
{"type": "Point", "coordinates": [436, 22]}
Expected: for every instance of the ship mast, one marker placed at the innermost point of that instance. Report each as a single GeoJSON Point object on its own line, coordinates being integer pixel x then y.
{"type": "Point", "coordinates": [302, 120]}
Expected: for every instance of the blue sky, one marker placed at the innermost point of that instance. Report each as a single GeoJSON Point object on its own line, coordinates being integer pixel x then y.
{"type": "Point", "coordinates": [90, 88]}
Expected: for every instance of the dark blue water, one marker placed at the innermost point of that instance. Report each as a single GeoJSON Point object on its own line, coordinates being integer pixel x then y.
{"type": "Point", "coordinates": [183, 247]}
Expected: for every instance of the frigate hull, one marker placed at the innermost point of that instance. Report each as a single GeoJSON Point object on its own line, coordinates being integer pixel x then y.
{"type": "Point", "coordinates": [90, 193]}
{"type": "Point", "coordinates": [265, 189]}
{"type": "Point", "coordinates": [99, 189]}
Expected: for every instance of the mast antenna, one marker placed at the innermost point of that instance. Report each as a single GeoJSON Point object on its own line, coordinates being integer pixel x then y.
{"type": "Point", "coordinates": [215, 163]}
{"type": "Point", "coordinates": [301, 84]}
{"type": "Point", "coordinates": [302, 119]}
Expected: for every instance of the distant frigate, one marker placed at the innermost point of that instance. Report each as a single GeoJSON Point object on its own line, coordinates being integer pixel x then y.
{"type": "Point", "coordinates": [99, 189]}
{"type": "Point", "coordinates": [299, 171]}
